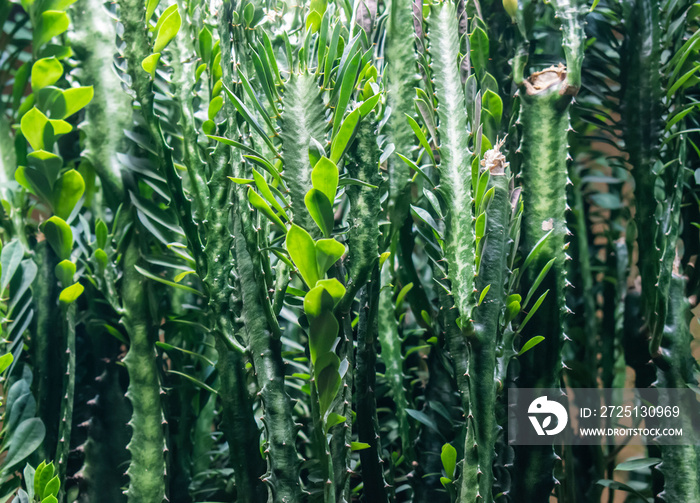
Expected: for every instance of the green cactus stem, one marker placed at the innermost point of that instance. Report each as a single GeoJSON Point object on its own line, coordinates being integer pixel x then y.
{"type": "Point", "coordinates": [641, 105]}
{"type": "Point", "coordinates": [110, 108]}
{"type": "Point", "coordinates": [65, 429]}
{"type": "Point", "coordinates": [545, 122]}
{"type": "Point", "coordinates": [487, 316]}
{"type": "Point", "coordinates": [681, 463]}
{"type": "Point", "coordinates": [147, 446]}
{"type": "Point", "coordinates": [47, 342]}
{"type": "Point", "coordinates": [374, 485]}
{"type": "Point", "coordinates": [392, 356]}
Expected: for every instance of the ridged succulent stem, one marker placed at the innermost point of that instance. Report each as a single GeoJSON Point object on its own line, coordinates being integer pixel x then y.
{"type": "Point", "coordinates": [265, 347]}
{"type": "Point", "coordinates": [374, 485]}
{"type": "Point", "coordinates": [487, 316]}
{"type": "Point", "coordinates": [400, 81]}
{"type": "Point", "coordinates": [641, 106]}
{"type": "Point", "coordinates": [545, 122]}
{"type": "Point", "coordinates": [46, 344]}
{"type": "Point", "coordinates": [110, 108]}
{"type": "Point", "coordinates": [392, 356]}
{"type": "Point", "coordinates": [66, 427]}
{"type": "Point", "coordinates": [136, 48]}
{"type": "Point", "coordinates": [680, 463]}
{"type": "Point", "coordinates": [302, 119]}
{"type": "Point", "coordinates": [184, 64]}
{"type": "Point", "coordinates": [456, 189]}
{"type": "Point", "coordinates": [147, 446]}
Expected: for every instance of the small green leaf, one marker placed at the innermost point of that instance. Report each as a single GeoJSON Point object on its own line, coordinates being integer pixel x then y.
{"type": "Point", "coordinates": [33, 126]}
{"type": "Point", "coordinates": [359, 446]}
{"type": "Point", "coordinates": [324, 177]}
{"type": "Point", "coordinates": [76, 99]}
{"type": "Point", "coordinates": [65, 270]}
{"type": "Point", "coordinates": [533, 310]}
{"type": "Point", "coordinates": [494, 104]}
{"type": "Point", "coordinates": [530, 344]}
{"type": "Point", "coordinates": [327, 379]}
{"type": "Point", "coordinates": [259, 203]}
{"type": "Point", "coordinates": [48, 164]}
{"type": "Point", "coordinates": [151, 8]}
{"type": "Point", "coordinates": [101, 234]}
{"type": "Point", "coordinates": [215, 105]}
{"type": "Point", "coordinates": [538, 281]}
{"type": "Point", "coordinates": [167, 30]}
{"type": "Point", "coordinates": [150, 63]}
{"type": "Point", "coordinates": [346, 133]}
{"type": "Point", "coordinates": [449, 460]}
{"type": "Point", "coordinates": [637, 464]}
{"type": "Point", "coordinates": [512, 310]}
{"type": "Point", "coordinates": [164, 281]}
{"type": "Point", "coordinates": [483, 294]}
{"type": "Point", "coordinates": [320, 210]}
{"type": "Point", "coordinates": [46, 72]}
{"type": "Point", "coordinates": [59, 235]}
{"type": "Point", "coordinates": [402, 294]}
{"type": "Point", "coordinates": [328, 252]}
{"type": "Point", "coordinates": [302, 250]}
{"type": "Point", "coordinates": [67, 192]}
{"type": "Point", "coordinates": [318, 301]}
{"type": "Point", "coordinates": [334, 287]}
{"type": "Point", "coordinates": [24, 441]}
{"type": "Point", "coordinates": [71, 294]}
{"type": "Point", "coordinates": [334, 420]}
{"type": "Point", "coordinates": [445, 482]}
{"type": "Point", "coordinates": [52, 24]}
{"type": "Point", "coordinates": [323, 332]}
{"type": "Point", "coordinates": [479, 50]}
{"type": "Point", "coordinates": [5, 361]}
{"type": "Point", "coordinates": [421, 137]}
{"type": "Point", "coordinates": [52, 487]}
{"type": "Point", "coordinates": [264, 189]}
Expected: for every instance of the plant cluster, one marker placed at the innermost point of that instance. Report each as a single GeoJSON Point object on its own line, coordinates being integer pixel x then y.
{"type": "Point", "coordinates": [278, 251]}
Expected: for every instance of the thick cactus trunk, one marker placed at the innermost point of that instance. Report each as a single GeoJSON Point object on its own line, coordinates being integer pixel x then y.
{"type": "Point", "coordinates": [545, 121]}
{"type": "Point", "coordinates": [487, 319]}
{"type": "Point", "coordinates": [147, 446]}
{"type": "Point", "coordinates": [681, 463]}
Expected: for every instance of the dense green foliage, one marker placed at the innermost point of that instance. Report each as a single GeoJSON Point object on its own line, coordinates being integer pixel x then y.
{"type": "Point", "coordinates": [278, 251]}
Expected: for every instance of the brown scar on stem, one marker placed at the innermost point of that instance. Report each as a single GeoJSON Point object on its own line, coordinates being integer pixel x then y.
{"type": "Point", "coordinates": [545, 79]}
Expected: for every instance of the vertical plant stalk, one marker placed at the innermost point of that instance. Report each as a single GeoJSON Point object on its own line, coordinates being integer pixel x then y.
{"type": "Point", "coordinates": [487, 318]}
{"type": "Point", "coordinates": [147, 446]}
{"type": "Point", "coordinates": [265, 346]}
{"type": "Point", "coordinates": [680, 463]}
{"type": "Point", "coordinates": [374, 485]}
{"type": "Point", "coordinates": [545, 121]}
{"type": "Point", "coordinates": [400, 80]}
{"type": "Point", "coordinates": [262, 332]}
{"type": "Point", "coordinates": [109, 113]}
{"type": "Point", "coordinates": [456, 189]}
{"type": "Point", "coordinates": [641, 107]}
{"type": "Point", "coordinates": [136, 48]}
{"type": "Point", "coordinates": [106, 445]}
{"type": "Point", "coordinates": [392, 356]}
{"type": "Point", "coordinates": [66, 427]}
{"type": "Point", "coordinates": [238, 425]}
{"type": "Point", "coordinates": [454, 167]}
{"type": "Point", "coordinates": [302, 120]}
{"type": "Point", "coordinates": [46, 344]}
{"type": "Point", "coordinates": [184, 64]}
